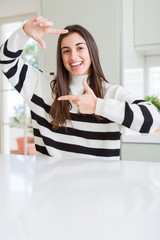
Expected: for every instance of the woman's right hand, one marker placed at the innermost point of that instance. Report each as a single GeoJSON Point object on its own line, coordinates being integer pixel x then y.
{"type": "Point", "coordinates": [37, 27]}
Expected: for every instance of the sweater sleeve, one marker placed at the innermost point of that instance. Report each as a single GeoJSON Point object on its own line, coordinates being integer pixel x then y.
{"type": "Point", "coordinates": [120, 107]}
{"type": "Point", "coordinates": [23, 77]}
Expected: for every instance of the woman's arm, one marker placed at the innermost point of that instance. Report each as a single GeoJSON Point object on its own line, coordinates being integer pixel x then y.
{"type": "Point", "coordinates": [120, 107]}
{"type": "Point", "coordinates": [23, 77]}
{"type": "Point", "coordinates": [12, 65]}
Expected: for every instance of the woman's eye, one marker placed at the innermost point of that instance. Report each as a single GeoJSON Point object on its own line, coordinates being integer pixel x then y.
{"type": "Point", "coordinates": [65, 51]}
{"type": "Point", "coordinates": [80, 48]}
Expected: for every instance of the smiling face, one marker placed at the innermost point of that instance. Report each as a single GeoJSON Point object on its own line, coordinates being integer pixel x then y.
{"type": "Point", "coordinates": [75, 54]}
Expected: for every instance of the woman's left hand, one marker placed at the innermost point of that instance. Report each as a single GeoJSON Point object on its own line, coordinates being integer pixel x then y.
{"type": "Point", "coordinates": [86, 103]}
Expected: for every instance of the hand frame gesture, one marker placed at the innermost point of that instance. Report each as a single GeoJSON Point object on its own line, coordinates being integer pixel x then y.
{"type": "Point", "coordinates": [37, 27]}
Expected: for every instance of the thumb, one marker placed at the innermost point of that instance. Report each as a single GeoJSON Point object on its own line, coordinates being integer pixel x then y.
{"type": "Point", "coordinates": [42, 43]}
{"type": "Point", "coordinates": [87, 87]}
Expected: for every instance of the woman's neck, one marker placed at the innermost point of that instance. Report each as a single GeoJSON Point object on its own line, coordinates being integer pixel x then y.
{"type": "Point", "coordinates": [76, 84]}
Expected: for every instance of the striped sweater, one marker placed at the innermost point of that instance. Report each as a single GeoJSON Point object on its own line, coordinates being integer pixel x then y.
{"type": "Point", "coordinates": [85, 136]}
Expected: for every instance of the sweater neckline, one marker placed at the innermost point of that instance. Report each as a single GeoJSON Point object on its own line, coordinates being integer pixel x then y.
{"type": "Point", "coordinates": [77, 79]}
{"type": "Point", "coordinates": [76, 84]}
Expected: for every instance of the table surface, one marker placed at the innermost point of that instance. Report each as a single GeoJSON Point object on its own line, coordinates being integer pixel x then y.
{"type": "Point", "coordinates": [43, 198]}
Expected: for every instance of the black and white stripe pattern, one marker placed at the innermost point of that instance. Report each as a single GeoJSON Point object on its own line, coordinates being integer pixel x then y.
{"type": "Point", "coordinates": [74, 133]}
{"type": "Point", "coordinates": [85, 135]}
{"type": "Point", "coordinates": [129, 117]}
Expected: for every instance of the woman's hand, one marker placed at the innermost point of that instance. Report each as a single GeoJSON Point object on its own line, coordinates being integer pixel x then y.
{"type": "Point", "coordinates": [86, 103]}
{"type": "Point", "coordinates": [37, 27]}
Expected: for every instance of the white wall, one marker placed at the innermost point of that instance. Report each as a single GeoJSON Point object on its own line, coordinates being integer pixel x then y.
{"type": "Point", "coordinates": [101, 17]}
{"type": "Point", "coordinates": [10, 8]}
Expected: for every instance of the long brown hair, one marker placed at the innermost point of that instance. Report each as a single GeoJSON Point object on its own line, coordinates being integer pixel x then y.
{"type": "Point", "coordinates": [59, 110]}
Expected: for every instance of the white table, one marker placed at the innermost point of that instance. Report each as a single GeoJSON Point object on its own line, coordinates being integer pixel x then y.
{"type": "Point", "coordinates": [43, 198]}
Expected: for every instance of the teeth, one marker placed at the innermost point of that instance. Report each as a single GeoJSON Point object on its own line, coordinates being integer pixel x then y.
{"type": "Point", "coordinates": [75, 64]}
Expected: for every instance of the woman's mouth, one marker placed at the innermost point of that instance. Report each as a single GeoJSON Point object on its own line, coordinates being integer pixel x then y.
{"type": "Point", "coordinates": [76, 64]}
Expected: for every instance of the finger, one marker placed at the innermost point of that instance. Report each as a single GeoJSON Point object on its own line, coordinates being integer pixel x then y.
{"type": "Point", "coordinates": [57, 31]}
{"type": "Point", "coordinates": [37, 20]}
{"type": "Point", "coordinates": [46, 24]}
{"type": "Point", "coordinates": [42, 43]}
{"type": "Point", "coordinates": [43, 21]}
{"type": "Point", "coordinates": [87, 87]}
{"type": "Point", "coordinates": [68, 97]}
{"type": "Point", "coordinates": [75, 102]}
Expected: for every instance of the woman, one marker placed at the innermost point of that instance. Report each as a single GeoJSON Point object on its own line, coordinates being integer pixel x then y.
{"type": "Point", "coordinates": [75, 113]}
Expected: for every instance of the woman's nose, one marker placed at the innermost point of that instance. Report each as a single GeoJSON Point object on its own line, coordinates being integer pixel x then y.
{"type": "Point", "coordinates": [73, 55]}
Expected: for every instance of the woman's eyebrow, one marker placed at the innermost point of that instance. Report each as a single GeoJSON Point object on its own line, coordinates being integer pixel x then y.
{"type": "Point", "coordinates": [75, 45]}
{"type": "Point", "coordinates": [80, 43]}
{"type": "Point", "coordinates": [64, 47]}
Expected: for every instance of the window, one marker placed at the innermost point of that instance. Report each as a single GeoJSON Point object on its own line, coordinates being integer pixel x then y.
{"type": "Point", "coordinates": [145, 81]}
{"type": "Point", "coordinates": [16, 130]}
{"type": "Point", "coordinates": [153, 75]}
{"type": "Point", "coordinates": [154, 81]}
{"type": "Point", "coordinates": [142, 82]}
{"type": "Point", "coordinates": [132, 78]}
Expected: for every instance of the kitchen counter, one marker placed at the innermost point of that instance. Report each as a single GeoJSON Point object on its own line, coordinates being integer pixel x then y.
{"type": "Point", "coordinates": [134, 137]}
{"type": "Point", "coordinates": [44, 198]}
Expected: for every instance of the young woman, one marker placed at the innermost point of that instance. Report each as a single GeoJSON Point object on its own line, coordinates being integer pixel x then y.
{"type": "Point", "coordinates": [75, 113]}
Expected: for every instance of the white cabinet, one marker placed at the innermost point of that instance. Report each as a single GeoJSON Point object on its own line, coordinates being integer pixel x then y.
{"type": "Point", "coordinates": [140, 151]}
{"type": "Point", "coordinates": [146, 26]}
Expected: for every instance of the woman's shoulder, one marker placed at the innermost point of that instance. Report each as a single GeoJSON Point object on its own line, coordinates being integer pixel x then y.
{"type": "Point", "coordinates": [45, 80]}
{"type": "Point", "coordinates": [47, 76]}
{"type": "Point", "coordinates": [114, 90]}
{"type": "Point", "coordinates": [109, 87]}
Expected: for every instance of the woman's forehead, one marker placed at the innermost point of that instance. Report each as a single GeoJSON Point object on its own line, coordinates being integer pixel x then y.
{"type": "Point", "coordinates": [72, 40]}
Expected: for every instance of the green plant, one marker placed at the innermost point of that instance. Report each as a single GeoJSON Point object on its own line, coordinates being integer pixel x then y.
{"type": "Point", "coordinates": [154, 100]}
{"type": "Point", "coordinates": [18, 117]}
{"type": "Point", "coordinates": [30, 54]}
